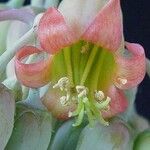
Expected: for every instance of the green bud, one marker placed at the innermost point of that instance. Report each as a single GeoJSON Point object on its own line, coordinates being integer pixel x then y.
{"type": "Point", "coordinates": [142, 141]}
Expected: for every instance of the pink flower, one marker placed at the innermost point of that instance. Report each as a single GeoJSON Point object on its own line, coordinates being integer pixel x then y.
{"type": "Point", "coordinates": [85, 43]}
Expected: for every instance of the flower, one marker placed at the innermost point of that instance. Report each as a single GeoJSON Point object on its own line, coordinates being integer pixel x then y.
{"type": "Point", "coordinates": [87, 63]}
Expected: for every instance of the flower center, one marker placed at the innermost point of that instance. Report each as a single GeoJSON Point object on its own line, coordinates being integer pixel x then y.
{"type": "Point", "coordinates": [85, 70]}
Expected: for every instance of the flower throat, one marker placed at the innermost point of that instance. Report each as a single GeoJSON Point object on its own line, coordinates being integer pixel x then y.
{"type": "Point", "coordinates": [84, 70]}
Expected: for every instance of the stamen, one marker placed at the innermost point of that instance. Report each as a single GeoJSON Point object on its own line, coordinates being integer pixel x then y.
{"type": "Point", "coordinates": [63, 100]}
{"type": "Point", "coordinates": [70, 114]}
{"type": "Point", "coordinates": [99, 95]}
{"type": "Point", "coordinates": [63, 84]}
{"type": "Point", "coordinates": [82, 91]}
{"type": "Point", "coordinates": [122, 81]}
{"type": "Point", "coordinates": [104, 104]}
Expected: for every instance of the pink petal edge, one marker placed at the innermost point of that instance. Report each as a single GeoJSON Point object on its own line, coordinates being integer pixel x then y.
{"type": "Point", "coordinates": [132, 69]}
{"type": "Point", "coordinates": [106, 30]}
{"type": "Point", "coordinates": [118, 103]}
{"type": "Point", "coordinates": [53, 32]}
{"type": "Point", "coordinates": [32, 75]}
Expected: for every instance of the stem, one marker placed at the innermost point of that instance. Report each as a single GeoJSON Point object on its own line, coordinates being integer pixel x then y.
{"type": "Point", "coordinates": [37, 3]}
{"type": "Point", "coordinates": [15, 3]}
{"type": "Point", "coordinates": [49, 3]}
{"type": "Point", "coordinates": [89, 65]}
{"type": "Point", "coordinates": [17, 14]}
{"type": "Point", "coordinates": [67, 56]}
{"type": "Point", "coordinates": [33, 99]}
{"type": "Point", "coordinates": [9, 53]}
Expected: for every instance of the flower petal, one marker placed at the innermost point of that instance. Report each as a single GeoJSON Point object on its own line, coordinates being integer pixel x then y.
{"type": "Point", "coordinates": [118, 102]}
{"type": "Point", "coordinates": [35, 74]}
{"type": "Point", "coordinates": [106, 30]}
{"type": "Point", "coordinates": [53, 32]}
{"type": "Point", "coordinates": [79, 14]}
{"type": "Point", "coordinates": [131, 66]}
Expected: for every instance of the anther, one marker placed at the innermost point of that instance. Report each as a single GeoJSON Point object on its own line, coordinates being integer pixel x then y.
{"type": "Point", "coordinates": [82, 91]}
{"type": "Point", "coordinates": [122, 81]}
{"type": "Point", "coordinates": [63, 84]}
{"type": "Point", "coordinates": [63, 100]}
{"type": "Point", "coordinates": [99, 95]}
{"type": "Point", "coordinates": [70, 114]}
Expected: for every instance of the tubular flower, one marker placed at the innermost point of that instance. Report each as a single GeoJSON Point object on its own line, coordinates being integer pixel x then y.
{"type": "Point", "coordinates": [89, 64]}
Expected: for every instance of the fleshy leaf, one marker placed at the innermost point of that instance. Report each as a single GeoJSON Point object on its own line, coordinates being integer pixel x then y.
{"type": "Point", "coordinates": [7, 110]}
{"type": "Point", "coordinates": [32, 130]}
{"type": "Point", "coordinates": [131, 66]}
{"type": "Point", "coordinates": [67, 136]}
{"type": "Point", "coordinates": [35, 74]}
{"type": "Point", "coordinates": [53, 32]}
{"type": "Point", "coordinates": [115, 136]}
{"type": "Point", "coordinates": [106, 30]}
{"type": "Point", "coordinates": [3, 35]}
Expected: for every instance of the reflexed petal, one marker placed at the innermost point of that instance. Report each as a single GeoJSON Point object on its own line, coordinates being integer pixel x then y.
{"type": "Point", "coordinates": [106, 30]}
{"type": "Point", "coordinates": [79, 14]}
{"type": "Point", "coordinates": [35, 74]}
{"type": "Point", "coordinates": [118, 102]}
{"type": "Point", "coordinates": [131, 66]}
{"type": "Point", "coordinates": [53, 32]}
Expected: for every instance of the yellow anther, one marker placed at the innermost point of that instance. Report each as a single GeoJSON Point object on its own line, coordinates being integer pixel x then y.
{"type": "Point", "coordinates": [99, 95]}
{"type": "Point", "coordinates": [63, 100]}
{"type": "Point", "coordinates": [70, 114]}
{"type": "Point", "coordinates": [63, 84]}
{"type": "Point", "coordinates": [122, 81]}
{"type": "Point", "coordinates": [82, 91]}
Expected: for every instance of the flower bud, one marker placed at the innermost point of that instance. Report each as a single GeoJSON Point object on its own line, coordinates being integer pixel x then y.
{"type": "Point", "coordinates": [142, 141]}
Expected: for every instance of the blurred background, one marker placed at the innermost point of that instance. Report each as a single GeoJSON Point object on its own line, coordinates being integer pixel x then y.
{"type": "Point", "coordinates": [136, 14]}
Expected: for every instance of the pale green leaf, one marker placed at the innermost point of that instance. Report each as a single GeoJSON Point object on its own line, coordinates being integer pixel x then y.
{"type": "Point", "coordinates": [7, 110]}
{"type": "Point", "coordinates": [114, 137]}
{"type": "Point", "coordinates": [66, 137]}
{"type": "Point", "coordinates": [32, 130]}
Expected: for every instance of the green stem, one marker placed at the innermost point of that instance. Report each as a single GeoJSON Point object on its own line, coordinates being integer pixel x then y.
{"type": "Point", "coordinates": [37, 3]}
{"type": "Point", "coordinates": [79, 108]}
{"type": "Point", "coordinates": [15, 3]}
{"type": "Point", "coordinates": [33, 100]}
{"type": "Point", "coordinates": [9, 53]}
{"type": "Point", "coordinates": [79, 118]}
{"type": "Point", "coordinates": [67, 56]}
{"type": "Point", "coordinates": [89, 64]}
{"type": "Point", "coordinates": [49, 3]}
